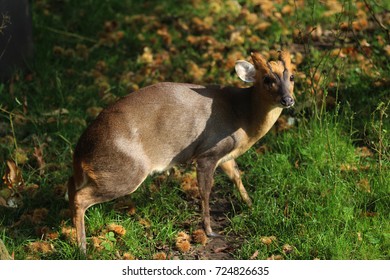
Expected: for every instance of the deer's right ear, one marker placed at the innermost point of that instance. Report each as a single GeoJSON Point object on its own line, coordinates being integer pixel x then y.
{"type": "Point", "coordinates": [245, 71]}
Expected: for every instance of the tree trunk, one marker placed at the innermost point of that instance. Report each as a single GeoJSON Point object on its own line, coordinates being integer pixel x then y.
{"type": "Point", "coordinates": [16, 45]}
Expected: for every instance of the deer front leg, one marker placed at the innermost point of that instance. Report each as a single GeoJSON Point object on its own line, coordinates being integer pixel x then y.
{"type": "Point", "coordinates": [231, 169]}
{"type": "Point", "coordinates": [205, 172]}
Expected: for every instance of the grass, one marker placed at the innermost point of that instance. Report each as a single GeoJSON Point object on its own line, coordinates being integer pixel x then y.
{"type": "Point", "coordinates": [311, 200]}
{"type": "Point", "coordinates": [320, 187]}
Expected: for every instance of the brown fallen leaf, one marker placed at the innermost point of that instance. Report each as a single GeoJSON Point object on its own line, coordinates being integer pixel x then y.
{"type": "Point", "coordinates": [128, 256]}
{"type": "Point", "coordinates": [43, 247]}
{"type": "Point", "coordinates": [146, 57]}
{"type": "Point", "coordinates": [94, 111]}
{"type": "Point", "coordinates": [364, 185]}
{"type": "Point", "coordinates": [144, 222]}
{"type": "Point", "coordinates": [189, 185]}
{"type": "Point", "coordinates": [117, 229]}
{"type": "Point", "coordinates": [160, 256]}
{"type": "Point", "coordinates": [57, 112]}
{"type": "Point", "coordinates": [275, 257]}
{"type": "Point", "coordinates": [199, 236]}
{"type": "Point", "coordinates": [13, 176]}
{"type": "Point", "coordinates": [183, 242]}
{"type": "Point", "coordinates": [364, 152]}
{"type": "Point", "coordinates": [69, 233]}
{"type": "Point", "coordinates": [38, 154]}
{"type": "Point", "coordinates": [96, 243]}
{"type": "Point", "coordinates": [10, 196]}
{"type": "Point", "coordinates": [287, 248]}
{"type": "Point", "coordinates": [254, 256]}
{"type": "Point", "coordinates": [267, 240]}
{"type": "Point", "coordinates": [39, 215]}
{"type": "Point", "coordinates": [21, 156]}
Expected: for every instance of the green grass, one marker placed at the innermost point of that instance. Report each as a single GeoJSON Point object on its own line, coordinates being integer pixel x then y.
{"type": "Point", "coordinates": [313, 188]}
{"type": "Point", "coordinates": [305, 199]}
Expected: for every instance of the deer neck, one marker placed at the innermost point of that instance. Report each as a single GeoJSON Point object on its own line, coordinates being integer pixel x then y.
{"type": "Point", "coordinates": [264, 116]}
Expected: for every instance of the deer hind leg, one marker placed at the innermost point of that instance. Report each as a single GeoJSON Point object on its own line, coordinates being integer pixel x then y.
{"type": "Point", "coordinates": [231, 169]}
{"type": "Point", "coordinates": [79, 202]}
{"type": "Point", "coordinates": [78, 213]}
{"type": "Point", "coordinates": [81, 199]}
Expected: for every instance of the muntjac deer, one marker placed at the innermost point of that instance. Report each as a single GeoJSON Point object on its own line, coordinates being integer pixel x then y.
{"type": "Point", "coordinates": [174, 123]}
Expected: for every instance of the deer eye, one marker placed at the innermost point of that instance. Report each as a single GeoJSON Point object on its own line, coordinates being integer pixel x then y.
{"type": "Point", "coordinates": [292, 78]}
{"type": "Point", "coordinates": [268, 80]}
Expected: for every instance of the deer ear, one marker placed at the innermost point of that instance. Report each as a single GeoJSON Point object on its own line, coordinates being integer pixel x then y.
{"type": "Point", "coordinates": [245, 71]}
{"type": "Point", "coordinates": [285, 57]}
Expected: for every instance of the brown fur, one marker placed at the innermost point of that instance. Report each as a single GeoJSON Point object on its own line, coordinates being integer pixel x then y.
{"type": "Point", "coordinates": [171, 123]}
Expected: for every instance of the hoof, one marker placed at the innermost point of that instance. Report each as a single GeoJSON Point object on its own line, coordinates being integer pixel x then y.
{"type": "Point", "coordinates": [214, 235]}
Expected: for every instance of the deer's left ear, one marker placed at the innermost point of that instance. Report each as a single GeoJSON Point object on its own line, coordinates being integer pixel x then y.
{"type": "Point", "coordinates": [245, 71]}
{"type": "Point", "coordinates": [260, 63]}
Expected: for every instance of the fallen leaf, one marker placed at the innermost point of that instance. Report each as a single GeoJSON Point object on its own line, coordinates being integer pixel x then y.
{"type": "Point", "coordinates": [128, 256]}
{"type": "Point", "coordinates": [93, 112]}
{"type": "Point", "coordinates": [364, 152]}
{"type": "Point", "coordinates": [46, 233]}
{"type": "Point", "coordinates": [144, 222]}
{"type": "Point", "coordinates": [183, 242]}
{"type": "Point", "coordinates": [59, 190]}
{"type": "Point", "coordinates": [287, 248]}
{"type": "Point", "coordinates": [42, 247]}
{"type": "Point", "coordinates": [262, 26]}
{"type": "Point", "coordinates": [267, 240]}
{"type": "Point", "coordinates": [189, 184]}
{"type": "Point", "coordinates": [202, 25]}
{"type": "Point", "coordinates": [236, 39]}
{"type": "Point", "coordinates": [199, 236]}
{"type": "Point", "coordinates": [96, 243]}
{"type": "Point", "coordinates": [360, 24]}
{"type": "Point", "coordinates": [69, 233]}
{"type": "Point", "coordinates": [14, 181]}
{"type": "Point", "coordinates": [164, 34]}
{"type": "Point", "coordinates": [275, 257]}
{"type": "Point", "coordinates": [38, 154]}
{"type": "Point", "coordinates": [159, 256]}
{"type": "Point", "coordinates": [287, 10]}
{"type": "Point", "coordinates": [348, 167]}
{"type": "Point", "coordinates": [387, 50]}
{"type": "Point", "coordinates": [57, 112]}
{"type": "Point", "coordinates": [263, 149]}
{"type": "Point", "coordinates": [21, 155]}
{"type": "Point", "coordinates": [39, 215]}
{"type": "Point", "coordinates": [254, 256]}
{"type": "Point", "coordinates": [369, 214]}
{"type": "Point", "coordinates": [146, 57]}
{"type": "Point", "coordinates": [195, 71]}
{"type": "Point", "coordinates": [364, 185]}
{"type": "Point", "coordinates": [117, 229]}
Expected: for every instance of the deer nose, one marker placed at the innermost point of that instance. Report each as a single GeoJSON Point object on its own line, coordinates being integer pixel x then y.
{"type": "Point", "coordinates": [287, 101]}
